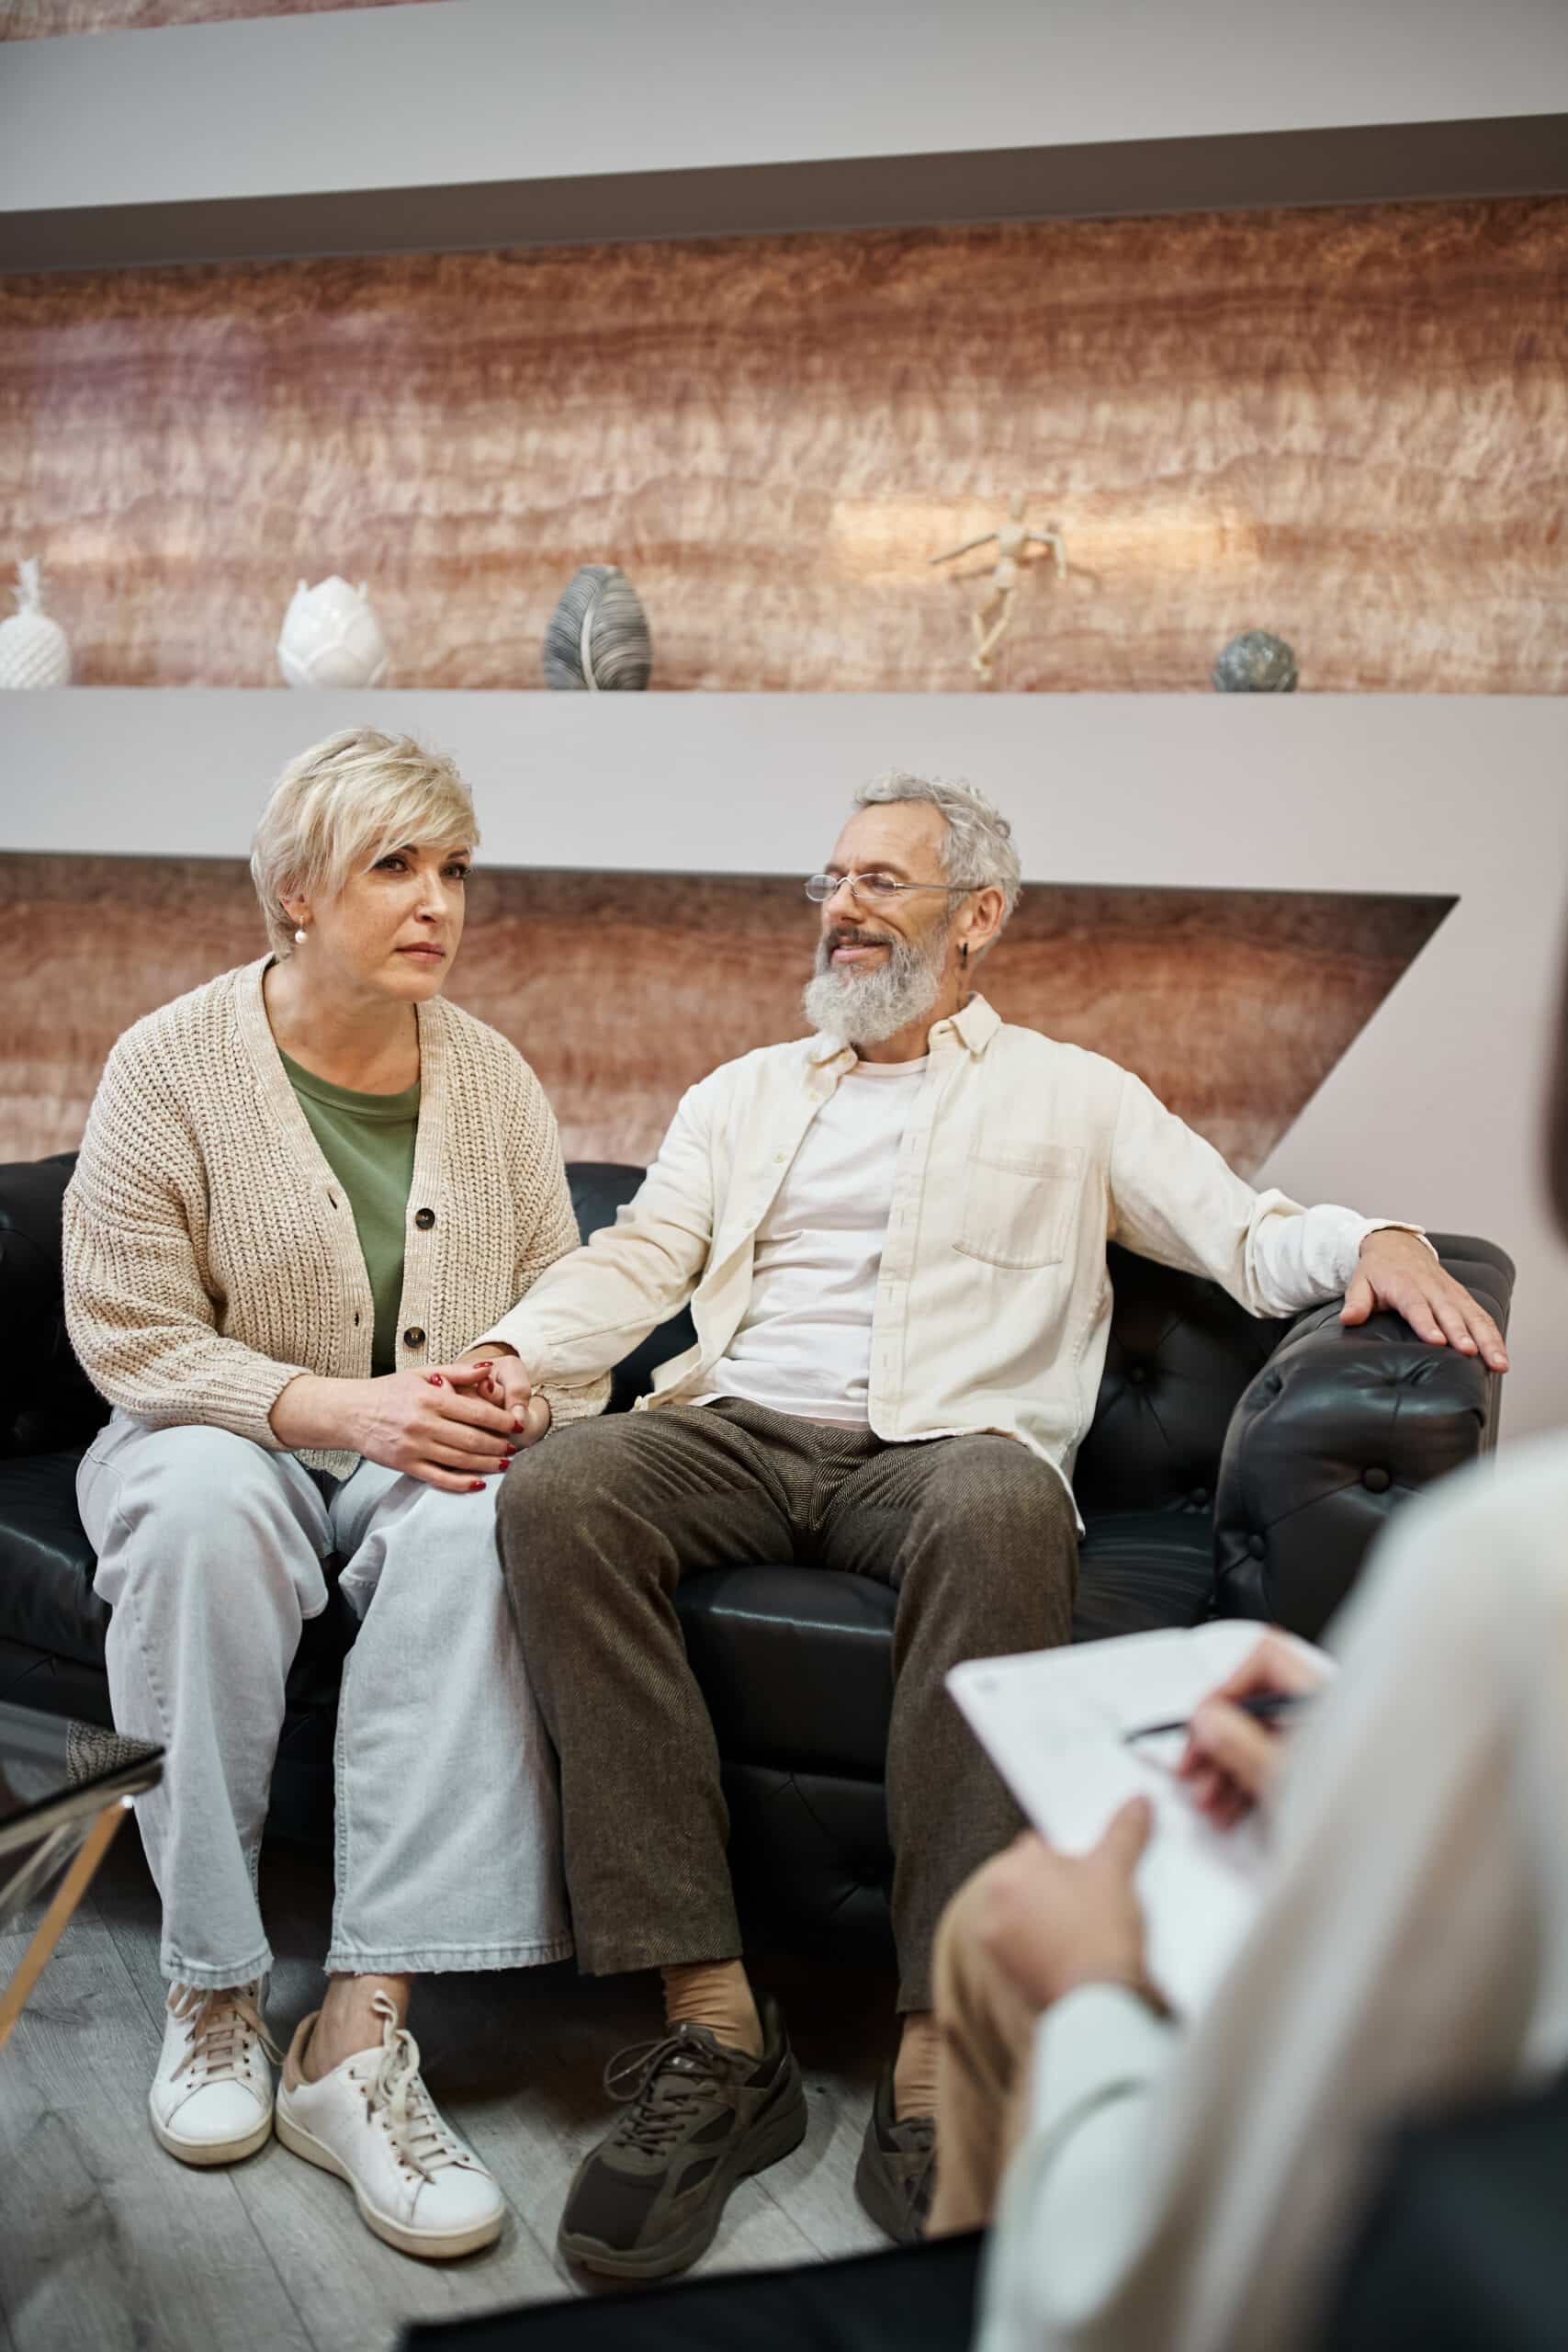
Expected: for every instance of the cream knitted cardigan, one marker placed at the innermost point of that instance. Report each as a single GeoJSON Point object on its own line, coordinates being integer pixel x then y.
{"type": "Point", "coordinates": [211, 1255]}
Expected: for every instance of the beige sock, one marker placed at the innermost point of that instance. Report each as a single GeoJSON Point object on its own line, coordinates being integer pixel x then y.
{"type": "Point", "coordinates": [914, 2070]}
{"type": "Point", "coordinates": [714, 1992]}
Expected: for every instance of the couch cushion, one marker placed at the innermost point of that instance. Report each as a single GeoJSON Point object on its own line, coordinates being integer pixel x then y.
{"type": "Point", "coordinates": [48, 1605]}
{"type": "Point", "coordinates": [1139, 1570]}
{"type": "Point", "coordinates": [796, 1663]}
{"type": "Point", "coordinates": [46, 1561]}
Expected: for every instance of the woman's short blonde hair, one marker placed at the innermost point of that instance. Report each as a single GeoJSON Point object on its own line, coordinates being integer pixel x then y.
{"type": "Point", "coordinates": [343, 804]}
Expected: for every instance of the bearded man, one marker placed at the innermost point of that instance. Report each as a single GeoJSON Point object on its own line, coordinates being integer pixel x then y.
{"type": "Point", "coordinates": [892, 1237]}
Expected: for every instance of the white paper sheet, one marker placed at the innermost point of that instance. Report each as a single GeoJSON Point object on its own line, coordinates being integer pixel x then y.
{"type": "Point", "coordinates": [1054, 1723]}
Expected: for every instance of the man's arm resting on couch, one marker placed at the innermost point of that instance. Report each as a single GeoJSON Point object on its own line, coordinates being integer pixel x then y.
{"type": "Point", "coordinates": [593, 1307]}
{"type": "Point", "coordinates": [1175, 1199]}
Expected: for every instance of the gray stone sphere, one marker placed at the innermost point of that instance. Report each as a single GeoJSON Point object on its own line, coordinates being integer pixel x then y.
{"type": "Point", "coordinates": [1255, 662]}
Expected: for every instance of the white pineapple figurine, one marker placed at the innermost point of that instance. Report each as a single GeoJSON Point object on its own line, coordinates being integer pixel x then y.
{"type": "Point", "coordinates": [331, 636]}
{"type": "Point", "coordinates": [34, 651]}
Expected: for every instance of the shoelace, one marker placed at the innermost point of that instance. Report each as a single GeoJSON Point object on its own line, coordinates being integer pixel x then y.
{"type": "Point", "coordinates": [221, 2025]}
{"type": "Point", "coordinates": [647, 2079]}
{"type": "Point", "coordinates": [423, 2141]}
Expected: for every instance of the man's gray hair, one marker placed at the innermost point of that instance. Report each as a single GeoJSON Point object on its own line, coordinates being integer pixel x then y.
{"type": "Point", "coordinates": [977, 850]}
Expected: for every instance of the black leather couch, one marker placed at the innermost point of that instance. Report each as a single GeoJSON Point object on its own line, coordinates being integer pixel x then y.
{"type": "Point", "coordinates": [1234, 1466]}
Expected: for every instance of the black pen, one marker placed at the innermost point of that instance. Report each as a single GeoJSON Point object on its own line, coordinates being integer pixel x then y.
{"type": "Point", "coordinates": [1264, 1707]}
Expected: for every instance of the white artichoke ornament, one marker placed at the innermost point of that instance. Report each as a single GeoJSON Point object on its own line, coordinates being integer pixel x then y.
{"type": "Point", "coordinates": [332, 638]}
{"type": "Point", "coordinates": [34, 651]}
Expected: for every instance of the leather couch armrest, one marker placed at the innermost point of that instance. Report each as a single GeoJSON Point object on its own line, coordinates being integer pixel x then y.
{"type": "Point", "coordinates": [1339, 1427]}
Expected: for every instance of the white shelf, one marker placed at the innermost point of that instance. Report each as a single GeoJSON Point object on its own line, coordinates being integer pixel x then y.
{"type": "Point", "coordinates": [483, 123]}
{"type": "Point", "coordinates": [1300, 791]}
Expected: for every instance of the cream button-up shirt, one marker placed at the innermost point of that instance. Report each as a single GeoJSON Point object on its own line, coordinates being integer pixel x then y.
{"type": "Point", "coordinates": [1020, 1159]}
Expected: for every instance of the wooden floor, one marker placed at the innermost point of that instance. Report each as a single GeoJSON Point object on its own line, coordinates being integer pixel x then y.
{"type": "Point", "coordinates": [106, 2243]}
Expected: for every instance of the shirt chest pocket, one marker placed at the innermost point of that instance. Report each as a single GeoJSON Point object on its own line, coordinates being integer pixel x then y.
{"type": "Point", "coordinates": [1018, 1206]}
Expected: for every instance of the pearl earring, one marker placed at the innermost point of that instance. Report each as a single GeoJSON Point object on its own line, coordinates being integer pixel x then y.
{"type": "Point", "coordinates": [299, 939]}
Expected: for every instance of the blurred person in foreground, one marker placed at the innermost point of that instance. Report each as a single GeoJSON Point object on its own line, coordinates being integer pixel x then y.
{"type": "Point", "coordinates": [1191, 2184]}
{"type": "Point", "coordinates": [303, 1186]}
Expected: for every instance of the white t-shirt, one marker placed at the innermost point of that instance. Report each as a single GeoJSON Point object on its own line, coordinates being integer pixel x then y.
{"type": "Point", "coordinates": [804, 1345]}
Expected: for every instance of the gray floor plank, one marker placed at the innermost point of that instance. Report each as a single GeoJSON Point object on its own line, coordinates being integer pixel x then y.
{"type": "Point", "coordinates": [102, 2247]}
{"type": "Point", "coordinates": [516, 2058]}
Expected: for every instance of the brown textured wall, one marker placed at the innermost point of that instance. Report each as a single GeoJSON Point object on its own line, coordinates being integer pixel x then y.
{"type": "Point", "coordinates": [46, 19]}
{"type": "Point", "coordinates": [623, 988]}
{"type": "Point", "coordinates": [1348, 425]}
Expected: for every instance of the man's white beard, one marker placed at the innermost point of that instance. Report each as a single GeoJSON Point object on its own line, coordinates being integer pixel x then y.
{"type": "Point", "coordinates": [863, 1008]}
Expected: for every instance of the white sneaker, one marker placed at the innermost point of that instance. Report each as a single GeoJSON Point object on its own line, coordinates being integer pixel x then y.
{"type": "Point", "coordinates": [211, 2097]}
{"type": "Point", "coordinates": [372, 2122]}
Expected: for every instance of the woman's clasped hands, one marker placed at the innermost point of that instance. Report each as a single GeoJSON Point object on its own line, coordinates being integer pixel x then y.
{"type": "Point", "coordinates": [449, 1427]}
{"type": "Point", "coordinates": [452, 1427]}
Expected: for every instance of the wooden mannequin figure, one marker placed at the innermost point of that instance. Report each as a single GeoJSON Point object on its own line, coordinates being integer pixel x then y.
{"type": "Point", "coordinates": [992, 619]}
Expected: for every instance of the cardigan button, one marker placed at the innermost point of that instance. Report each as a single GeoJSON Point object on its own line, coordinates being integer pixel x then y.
{"type": "Point", "coordinates": [414, 1336]}
{"type": "Point", "coordinates": [425, 1219]}
{"type": "Point", "coordinates": [1376, 1482]}
{"type": "Point", "coordinates": [1257, 1546]}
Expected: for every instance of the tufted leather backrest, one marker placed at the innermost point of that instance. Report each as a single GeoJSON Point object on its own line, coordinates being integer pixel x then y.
{"type": "Point", "coordinates": [47, 1403]}
{"type": "Point", "coordinates": [1180, 1355]}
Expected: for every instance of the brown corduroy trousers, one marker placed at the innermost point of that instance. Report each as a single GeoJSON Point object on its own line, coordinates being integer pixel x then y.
{"type": "Point", "coordinates": [598, 1524]}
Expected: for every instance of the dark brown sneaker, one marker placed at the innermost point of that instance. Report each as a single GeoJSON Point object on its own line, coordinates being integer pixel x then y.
{"type": "Point", "coordinates": [699, 2117]}
{"type": "Point", "coordinates": [896, 2172]}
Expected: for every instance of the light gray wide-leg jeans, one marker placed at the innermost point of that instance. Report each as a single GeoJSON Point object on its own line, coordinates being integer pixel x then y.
{"type": "Point", "coordinates": [210, 1554]}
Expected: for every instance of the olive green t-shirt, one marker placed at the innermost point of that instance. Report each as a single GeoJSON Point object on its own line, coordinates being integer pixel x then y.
{"type": "Point", "coordinates": [368, 1141]}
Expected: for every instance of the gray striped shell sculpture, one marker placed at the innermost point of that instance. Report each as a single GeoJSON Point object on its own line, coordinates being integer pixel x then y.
{"type": "Point", "coordinates": [1255, 662]}
{"type": "Point", "coordinates": [598, 641]}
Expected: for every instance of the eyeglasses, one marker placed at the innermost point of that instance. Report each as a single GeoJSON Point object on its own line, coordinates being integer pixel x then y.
{"type": "Point", "coordinates": [820, 888]}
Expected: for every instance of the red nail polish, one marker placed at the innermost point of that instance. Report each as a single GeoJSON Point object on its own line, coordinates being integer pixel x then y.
{"type": "Point", "coordinates": [519, 1425]}
{"type": "Point", "coordinates": [476, 1485]}
{"type": "Point", "coordinates": [436, 1380]}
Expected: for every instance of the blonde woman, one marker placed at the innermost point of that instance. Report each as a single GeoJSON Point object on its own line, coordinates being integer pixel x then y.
{"type": "Point", "coordinates": [303, 1188]}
